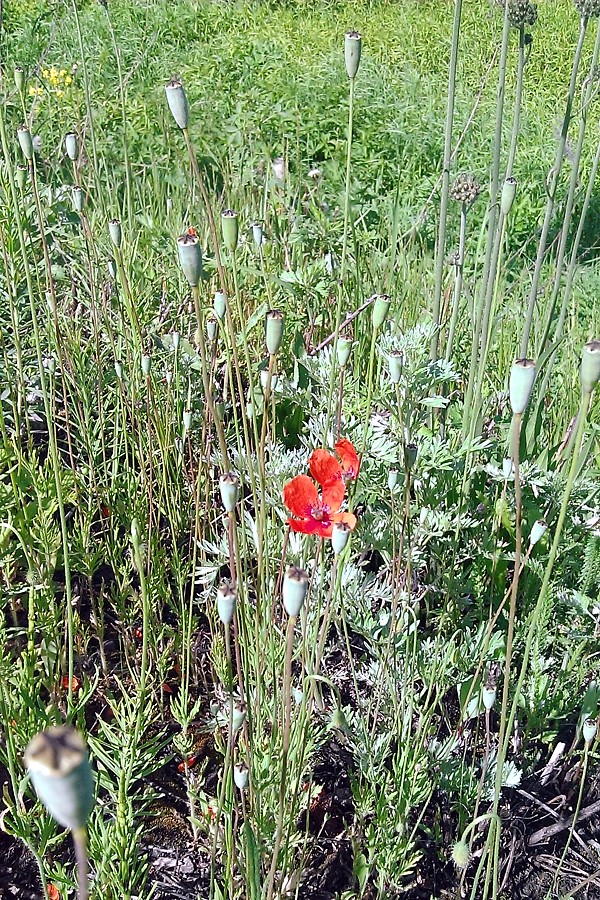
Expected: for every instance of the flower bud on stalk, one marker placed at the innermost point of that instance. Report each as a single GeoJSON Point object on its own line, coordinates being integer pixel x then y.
{"type": "Point", "coordinates": [507, 198]}
{"type": "Point", "coordinates": [522, 378]}
{"type": "Point", "coordinates": [380, 310]}
{"type": "Point", "coordinates": [26, 141]}
{"type": "Point", "coordinates": [295, 587]}
{"type": "Point", "coordinates": [115, 232]}
{"type": "Point", "coordinates": [229, 227]}
{"type": "Point", "coordinates": [352, 52]}
{"type": "Point", "coordinates": [590, 366]}
{"type": "Point", "coordinates": [226, 600]}
{"type": "Point", "coordinates": [190, 256]}
{"type": "Point", "coordinates": [178, 104]}
{"type": "Point", "coordinates": [229, 485]}
{"type": "Point", "coordinates": [60, 771]}
{"type": "Point", "coordinates": [344, 349]}
{"type": "Point", "coordinates": [274, 331]}
{"type": "Point", "coordinates": [21, 177]}
{"type": "Point", "coordinates": [72, 145]}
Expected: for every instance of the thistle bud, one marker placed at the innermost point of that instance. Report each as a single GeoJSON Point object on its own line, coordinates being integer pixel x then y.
{"type": "Point", "coordinates": [146, 363]}
{"type": "Point", "coordinates": [178, 104]}
{"type": "Point", "coordinates": [60, 771]}
{"type": "Point", "coordinates": [229, 227]}
{"type": "Point", "coordinates": [392, 479]}
{"type": "Point", "coordinates": [410, 456]}
{"type": "Point", "coordinates": [488, 696]}
{"type": "Point", "coordinates": [538, 530]}
{"type": "Point", "coordinates": [190, 256]}
{"type": "Point", "coordinates": [211, 328]}
{"type": "Point", "coordinates": [26, 142]}
{"type": "Point", "coordinates": [187, 420]}
{"type": "Point", "coordinates": [590, 366]}
{"type": "Point", "coordinates": [220, 305]}
{"type": "Point", "coordinates": [395, 363]}
{"type": "Point", "coordinates": [589, 729]}
{"type": "Point", "coordinates": [114, 230]}
{"type": "Point", "coordinates": [257, 234]}
{"type": "Point", "coordinates": [352, 51]}
{"type": "Point", "coordinates": [380, 310]}
{"type": "Point", "coordinates": [72, 145]}
{"type": "Point", "coordinates": [78, 197]}
{"type": "Point", "coordinates": [507, 198]}
{"type": "Point", "coordinates": [229, 485]}
{"type": "Point", "coordinates": [240, 776]}
{"type": "Point", "coordinates": [19, 74]}
{"type": "Point", "coordinates": [226, 600]}
{"type": "Point", "coordinates": [21, 177]}
{"type": "Point", "coordinates": [522, 378]}
{"type": "Point", "coordinates": [340, 534]}
{"type": "Point", "coordinates": [295, 587]}
{"type": "Point", "coordinates": [274, 331]}
{"type": "Point", "coordinates": [344, 349]}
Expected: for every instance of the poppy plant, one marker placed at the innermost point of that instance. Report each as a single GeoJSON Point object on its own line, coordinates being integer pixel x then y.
{"type": "Point", "coordinates": [324, 465]}
{"type": "Point", "coordinates": [314, 513]}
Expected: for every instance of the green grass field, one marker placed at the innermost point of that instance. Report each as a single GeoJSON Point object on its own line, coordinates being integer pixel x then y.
{"type": "Point", "coordinates": [299, 487]}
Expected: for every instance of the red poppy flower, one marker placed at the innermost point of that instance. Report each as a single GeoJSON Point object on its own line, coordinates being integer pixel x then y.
{"type": "Point", "coordinates": [53, 891]}
{"type": "Point", "coordinates": [349, 457]}
{"type": "Point", "coordinates": [324, 467]}
{"type": "Point", "coordinates": [314, 513]}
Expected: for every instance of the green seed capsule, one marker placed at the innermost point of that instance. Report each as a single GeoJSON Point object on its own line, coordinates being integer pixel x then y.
{"type": "Point", "coordinates": [19, 74]}
{"type": "Point", "coordinates": [295, 588]}
{"type": "Point", "coordinates": [60, 770]}
{"type": "Point", "coordinates": [352, 52]}
{"type": "Point", "coordinates": [190, 256]}
{"type": "Point", "coordinates": [229, 227]}
{"type": "Point", "coordinates": [78, 196]}
{"type": "Point", "coordinates": [21, 177]}
{"type": "Point", "coordinates": [26, 141]}
{"type": "Point", "coordinates": [229, 486]}
{"type": "Point", "coordinates": [274, 331]}
{"type": "Point", "coordinates": [114, 229]}
{"type": "Point", "coordinates": [522, 379]}
{"type": "Point", "coordinates": [380, 310]}
{"type": "Point", "coordinates": [177, 100]}
{"type": "Point", "coordinates": [226, 600]}
{"type": "Point", "coordinates": [590, 366]}
{"type": "Point", "coordinates": [344, 349]}
{"type": "Point", "coordinates": [507, 198]}
{"type": "Point", "coordinates": [72, 145]}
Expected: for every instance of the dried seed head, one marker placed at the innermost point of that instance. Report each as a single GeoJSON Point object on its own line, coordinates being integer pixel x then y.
{"type": "Point", "coordinates": [58, 763]}
{"type": "Point", "coordinates": [522, 13]}
{"type": "Point", "coordinates": [465, 189]}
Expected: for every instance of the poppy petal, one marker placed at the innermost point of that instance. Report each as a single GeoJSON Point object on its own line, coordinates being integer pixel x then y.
{"type": "Point", "coordinates": [324, 467]}
{"type": "Point", "coordinates": [305, 526]}
{"type": "Point", "coordinates": [347, 518]}
{"type": "Point", "coordinates": [347, 453]}
{"type": "Point", "coordinates": [300, 495]}
{"type": "Point", "coordinates": [333, 494]}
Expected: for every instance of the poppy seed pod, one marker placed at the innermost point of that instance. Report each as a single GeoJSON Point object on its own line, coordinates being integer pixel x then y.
{"type": "Point", "coordinates": [178, 104]}
{"type": "Point", "coordinates": [522, 378]}
{"type": "Point", "coordinates": [187, 420]}
{"type": "Point", "coordinates": [488, 696]}
{"type": "Point", "coordinates": [19, 74]}
{"type": "Point", "coordinates": [26, 141]}
{"type": "Point", "coordinates": [60, 771]}
{"type": "Point", "coordinates": [410, 455]}
{"type": "Point", "coordinates": [274, 331]}
{"type": "Point", "coordinates": [344, 349]}
{"type": "Point", "coordinates": [226, 600]}
{"type": "Point", "coordinates": [240, 776]}
{"type": "Point", "coordinates": [352, 51]}
{"type": "Point", "coordinates": [590, 366]}
{"type": "Point", "coordinates": [507, 197]}
{"type": "Point", "coordinates": [229, 485]}
{"type": "Point", "coordinates": [146, 363]}
{"type": "Point", "coordinates": [175, 337]}
{"type": "Point", "coordinates": [392, 479]}
{"type": "Point", "coordinates": [119, 369]}
{"type": "Point", "coordinates": [220, 305]}
{"type": "Point", "coordinates": [229, 228]}
{"type": "Point", "coordinates": [114, 230]}
{"type": "Point", "coordinates": [72, 145]}
{"type": "Point", "coordinates": [257, 234]}
{"type": "Point", "coordinates": [538, 530]}
{"type": "Point", "coordinates": [395, 361]}
{"type": "Point", "coordinates": [112, 267]}
{"type": "Point", "coordinates": [21, 177]}
{"type": "Point", "coordinates": [78, 197]}
{"type": "Point", "coordinates": [380, 310]}
{"type": "Point", "coordinates": [295, 587]}
{"type": "Point", "coordinates": [211, 328]}
{"type": "Point", "coordinates": [589, 729]}
{"type": "Point", "coordinates": [339, 537]}
{"type": "Point", "coordinates": [190, 256]}
{"type": "Point", "coordinates": [238, 716]}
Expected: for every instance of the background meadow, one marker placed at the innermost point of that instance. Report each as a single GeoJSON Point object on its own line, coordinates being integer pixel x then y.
{"type": "Point", "coordinates": [424, 725]}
